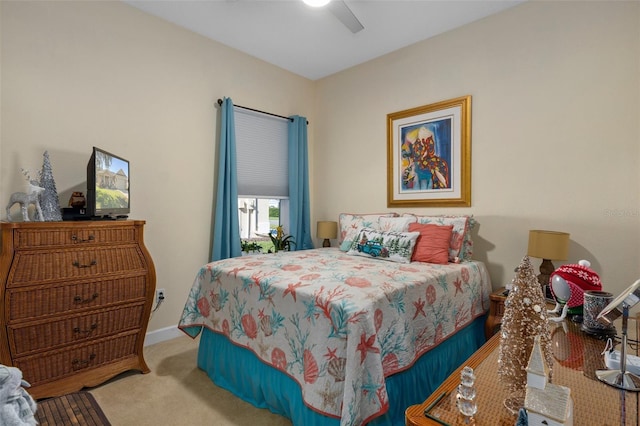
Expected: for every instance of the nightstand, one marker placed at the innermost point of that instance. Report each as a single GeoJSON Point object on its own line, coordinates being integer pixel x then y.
{"type": "Point", "coordinates": [496, 311]}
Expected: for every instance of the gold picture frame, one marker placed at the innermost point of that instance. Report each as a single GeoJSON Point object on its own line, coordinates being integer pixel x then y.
{"type": "Point", "coordinates": [429, 155]}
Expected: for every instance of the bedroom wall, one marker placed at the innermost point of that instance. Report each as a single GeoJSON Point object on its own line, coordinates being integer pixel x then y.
{"type": "Point", "coordinates": [555, 130]}
{"type": "Point", "coordinates": [78, 74]}
{"type": "Point", "coordinates": [560, 80]}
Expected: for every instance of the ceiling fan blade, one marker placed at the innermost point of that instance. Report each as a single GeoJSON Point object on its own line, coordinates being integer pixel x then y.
{"type": "Point", "coordinates": [340, 9]}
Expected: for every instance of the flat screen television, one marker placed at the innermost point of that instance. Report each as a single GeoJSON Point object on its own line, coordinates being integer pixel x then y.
{"type": "Point", "coordinates": [108, 184]}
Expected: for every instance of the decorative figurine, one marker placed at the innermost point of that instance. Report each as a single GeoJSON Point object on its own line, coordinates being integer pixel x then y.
{"type": "Point", "coordinates": [568, 284]}
{"type": "Point", "coordinates": [77, 200]}
{"type": "Point", "coordinates": [547, 404]}
{"type": "Point", "coordinates": [27, 198]}
{"type": "Point", "coordinates": [49, 202]}
{"type": "Point", "coordinates": [466, 396]}
{"type": "Point", "coordinates": [525, 316]}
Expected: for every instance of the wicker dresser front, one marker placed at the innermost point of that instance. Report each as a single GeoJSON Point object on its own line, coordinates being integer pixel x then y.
{"type": "Point", "coordinates": [76, 299]}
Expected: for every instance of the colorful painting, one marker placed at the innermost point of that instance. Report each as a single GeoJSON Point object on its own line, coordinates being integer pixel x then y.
{"type": "Point", "coordinates": [426, 155]}
{"type": "Point", "coordinates": [429, 155]}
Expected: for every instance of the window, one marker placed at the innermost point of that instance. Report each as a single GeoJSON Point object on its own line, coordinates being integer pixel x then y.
{"type": "Point", "coordinates": [263, 187]}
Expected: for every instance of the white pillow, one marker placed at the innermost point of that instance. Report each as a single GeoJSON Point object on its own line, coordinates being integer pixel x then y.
{"type": "Point", "coordinates": [395, 224]}
{"type": "Point", "coordinates": [350, 224]}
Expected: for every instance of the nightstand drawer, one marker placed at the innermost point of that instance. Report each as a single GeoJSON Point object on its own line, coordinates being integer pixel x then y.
{"type": "Point", "coordinates": [496, 312]}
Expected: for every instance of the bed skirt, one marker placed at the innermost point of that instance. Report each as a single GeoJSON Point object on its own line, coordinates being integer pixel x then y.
{"type": "Point", "coordinates": [265, 387]}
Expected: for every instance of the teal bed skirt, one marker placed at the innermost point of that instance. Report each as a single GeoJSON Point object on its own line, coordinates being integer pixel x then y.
{"type": "Point", "coordinates": [239, 371]}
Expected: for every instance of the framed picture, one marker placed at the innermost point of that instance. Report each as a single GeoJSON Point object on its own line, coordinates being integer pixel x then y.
{"type": "Point", "coordinates": [429, 155]}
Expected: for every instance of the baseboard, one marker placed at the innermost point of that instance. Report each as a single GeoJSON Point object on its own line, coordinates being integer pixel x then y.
{"type": "Point", "coordinates": [162, 335]}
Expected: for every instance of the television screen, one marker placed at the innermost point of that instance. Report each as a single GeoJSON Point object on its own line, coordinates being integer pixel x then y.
{"type": "Point", "coordinates": [107, 185]}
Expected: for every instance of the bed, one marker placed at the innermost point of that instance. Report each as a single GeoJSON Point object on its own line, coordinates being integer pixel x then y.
{"type": "Point", "coordinates": [326, 337]}
{"type": "Point", "coordinates": [349, 335]}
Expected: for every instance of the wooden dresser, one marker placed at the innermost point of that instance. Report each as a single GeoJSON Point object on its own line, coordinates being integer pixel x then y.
{"type": "Point", "coordinates": [76, 300]}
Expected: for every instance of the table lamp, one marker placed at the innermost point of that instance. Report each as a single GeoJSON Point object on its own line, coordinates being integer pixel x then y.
{"type": "Point", "coordinates": [327, 230]}
{"type": "Point", "coordinates": [548, 246]}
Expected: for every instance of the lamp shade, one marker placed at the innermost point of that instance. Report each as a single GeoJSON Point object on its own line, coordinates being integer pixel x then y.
{"type": "Point", "coordinates": [327, 229]}
{"type": "Point", "coordinates": [550, 245]}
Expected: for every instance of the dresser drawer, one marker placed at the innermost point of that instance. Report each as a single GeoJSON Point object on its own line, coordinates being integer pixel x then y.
{"type": "Point", "coordinates": [72, 236]}
{"type": "Point", "coordinates": [39, 266]}
{"type": "Point", "coordinates": [54, 365]}
{"type": "Point", "coordinates": [24, 303]}
{"type": "Point", "coordinates": [44, 335]}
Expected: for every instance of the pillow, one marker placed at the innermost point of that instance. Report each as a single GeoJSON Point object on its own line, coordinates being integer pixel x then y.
{"type": "Point", "coordinates": [461, 245]}
{"type": "Point", "coordinates": [395, 224]}
{"type": "Point", "coordinates": [467, 242]}
{"type": "Point", "coordinates": [350, 224]}
{"type": "Point", "coordinates": [432, 245]}
{"type": "Point", "coordinates": [392, 246]}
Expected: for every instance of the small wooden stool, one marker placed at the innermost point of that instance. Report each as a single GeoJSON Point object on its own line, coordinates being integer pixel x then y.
{"type": "Point", "coordinates": [79, 408]}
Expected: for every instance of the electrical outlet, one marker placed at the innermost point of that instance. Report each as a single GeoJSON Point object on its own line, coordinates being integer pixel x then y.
{"type": "Point", "coordinates": [159, 296]}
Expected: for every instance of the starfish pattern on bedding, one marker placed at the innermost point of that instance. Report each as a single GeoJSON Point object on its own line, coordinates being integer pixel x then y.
{"type": "Point", "coordinates": [366, 345]}
{"type": "Point", "coordinates": [291, 289]}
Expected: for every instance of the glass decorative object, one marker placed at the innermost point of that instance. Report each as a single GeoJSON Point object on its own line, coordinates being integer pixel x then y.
{"type": "Point", "coordinates": [466, 396]}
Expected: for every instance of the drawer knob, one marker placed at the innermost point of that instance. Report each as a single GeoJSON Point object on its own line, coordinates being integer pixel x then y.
{"type": "Point", "coordinates": [77, 239]}
{"type": "Point", "coordinates": [77, 264]}
{"type": "Point", "coordinates": [77, 330]}
{"type": "Point", "coordinates": [79, 299]}
{"type": "Point", "coordinates": [81, 363]}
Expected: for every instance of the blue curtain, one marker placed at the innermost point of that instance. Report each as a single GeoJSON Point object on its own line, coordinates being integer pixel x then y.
{"type": "Point", "coordinates": [226, 229]}
{"type": "Point", "coordinates": [299, 221]}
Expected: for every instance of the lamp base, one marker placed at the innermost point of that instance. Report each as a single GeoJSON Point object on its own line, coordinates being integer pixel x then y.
{"type": "Point", "coordinates": [616, 378]}
{"type": "Point", "coordinates": [326, 243]}
{"type": "Point", "coordinates": [546, 269]}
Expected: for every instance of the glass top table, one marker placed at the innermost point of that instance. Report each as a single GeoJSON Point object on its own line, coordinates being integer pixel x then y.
{"type": "Point", "coordinates": [577, 356]}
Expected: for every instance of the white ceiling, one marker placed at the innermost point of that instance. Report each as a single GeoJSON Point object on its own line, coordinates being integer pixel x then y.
{"type": "Point", "coordinates": [312, 42]}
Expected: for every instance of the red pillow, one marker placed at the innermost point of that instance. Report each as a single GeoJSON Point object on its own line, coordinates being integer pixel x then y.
{"type": "Point", "coordinates": [432, 245]}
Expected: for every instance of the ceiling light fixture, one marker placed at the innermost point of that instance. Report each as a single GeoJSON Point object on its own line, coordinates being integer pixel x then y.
{"type": "Point", "coordinates": [316, 3]}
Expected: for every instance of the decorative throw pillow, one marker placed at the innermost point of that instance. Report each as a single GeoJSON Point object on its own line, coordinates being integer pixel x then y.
{"type": "Point", "coordinates": [392, 246]}
{"type": "Point", "coordinates": [432, 245]}
{"type": "Point", "coordinates": [350, 224]}
{"type": "Point", "coordinates": [395, 224]}
{"type": "Point", "coordinates": [460, 246]}
{"type": "Point", "coordinates": [467, 242]}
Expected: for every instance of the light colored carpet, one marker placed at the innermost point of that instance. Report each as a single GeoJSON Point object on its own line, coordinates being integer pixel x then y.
{"type": "Point", "coordinates": [176, 393]}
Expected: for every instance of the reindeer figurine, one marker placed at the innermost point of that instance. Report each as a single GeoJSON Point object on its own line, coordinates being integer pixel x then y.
{"type": "Point", "coordinates": [25, 199]}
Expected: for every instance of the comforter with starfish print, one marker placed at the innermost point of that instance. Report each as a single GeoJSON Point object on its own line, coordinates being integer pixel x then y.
{"type": "Point", "coordinates": [337, 324]}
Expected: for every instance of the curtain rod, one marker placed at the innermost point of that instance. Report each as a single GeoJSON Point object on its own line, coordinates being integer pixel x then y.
{"type": "Point", "coordinates": [261, 112]}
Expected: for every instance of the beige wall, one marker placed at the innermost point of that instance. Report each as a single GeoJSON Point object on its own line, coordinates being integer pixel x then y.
{"type": "Point", "coordinates": [555, 130]}
{"type": "Point", "coordinates": [556, 124]}
{"type": "Point", "coordinates": [78, 74]}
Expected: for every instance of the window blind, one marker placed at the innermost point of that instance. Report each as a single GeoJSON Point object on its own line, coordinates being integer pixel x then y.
{"type": "Point", "coordinates": [261, 152]}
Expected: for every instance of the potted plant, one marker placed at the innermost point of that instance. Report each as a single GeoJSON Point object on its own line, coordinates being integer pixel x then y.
{"type": "Point", "coordinates": [250, 247]}
{"type": "Point", "coordinates": [281, 241]}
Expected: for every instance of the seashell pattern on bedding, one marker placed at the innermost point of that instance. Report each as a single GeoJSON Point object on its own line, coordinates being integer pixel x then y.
{"type": "Point", "coordinates": [337, 324]}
